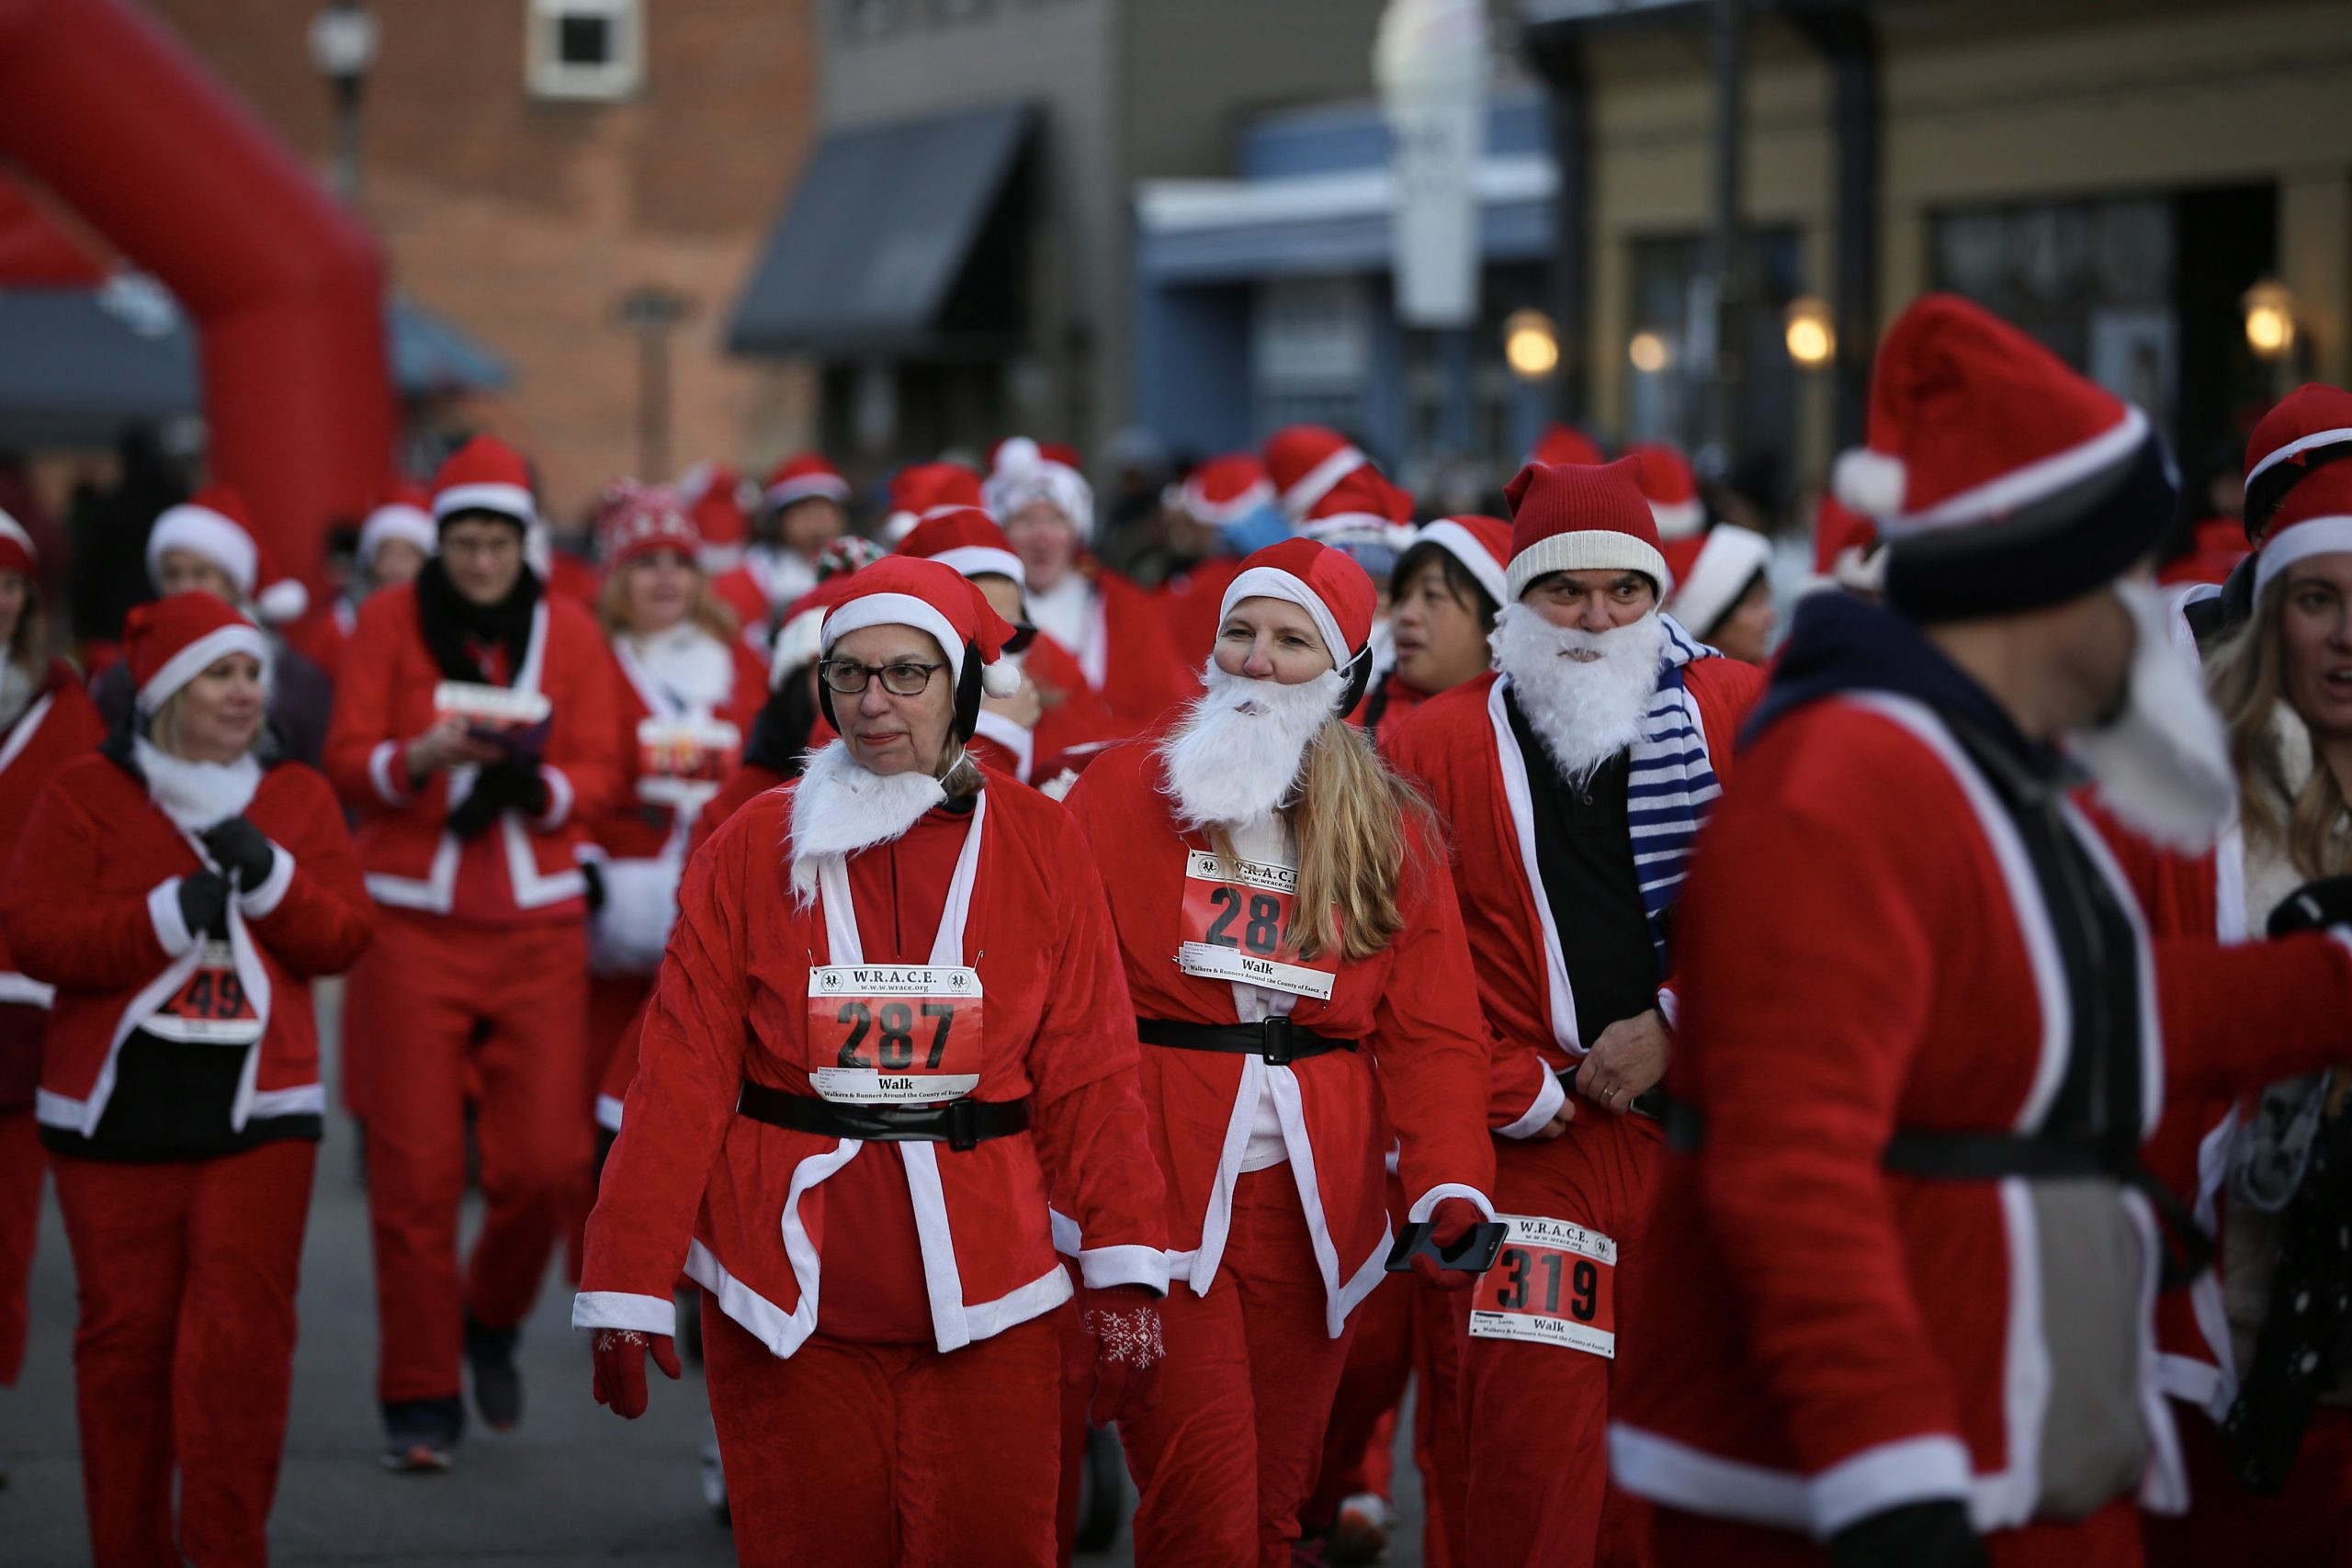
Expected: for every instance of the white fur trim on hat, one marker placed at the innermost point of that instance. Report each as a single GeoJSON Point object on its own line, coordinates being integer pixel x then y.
{"type": "Point", "coordinates": [395, 520]}
{"type": "Point", "coordinates": [11, 529]}
{"type": "Point", "coordinates": [1272, 582]}
{"type": "Point", "coordinates": [1001, 679]}
{"type": "Point", "coordinates": [282, 601]}
{"type": "Point", "coordinates": [2300, 541]}
{"type": "Point", "coordinates": [1316, 483]}
{"type": "Point", "coordinates": [1476, 558]}
{"type": "Point", "coordinates": [199, 656]}
{"type": "Point", "coordinates": [1358, 528]}
{"type": "Point", "coordinates": [2300, 445]}
{"type": "Point", "coordinates": [799, 641]}
{"type": "Point", "coordinates": [1727, 562]}
{"type": "Point", "coordinates": [507, 501]}
{"type": "Point", "coordinates": [1025, 475]}
{"type": "Point", "coordinates": [982, 560]}
{"type": "Point", "coordinates": [1587, 549]}
{"type": "Point", "coordinates": [1871, 482]}
{"type": "Point", "coordinates": [204, 532]}
{"type": "Point", "coordinates": [1678, 519]}
{"type": "Point", "coordinates": [1222, 513]}
{"type": "Point", "coordinates": [2022, 487]}
{"type": "Point", "coordinates": [800, 486]}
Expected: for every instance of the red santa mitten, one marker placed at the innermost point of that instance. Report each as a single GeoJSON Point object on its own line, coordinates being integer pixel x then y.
{"type": "Point", "coordinates": [619, 1355]}
{"type": "Point", "coordinates": [1127, 1353]}
{"type": "Point", "coordinates": [1450, 1220]}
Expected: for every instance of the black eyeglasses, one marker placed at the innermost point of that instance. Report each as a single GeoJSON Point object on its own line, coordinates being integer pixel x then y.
{"type": "Point", "coordinates": [848, 678]}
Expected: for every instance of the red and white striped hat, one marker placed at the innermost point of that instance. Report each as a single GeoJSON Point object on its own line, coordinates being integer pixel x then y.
{"type": "Point", "coordinates": [1304, 461]}
{"type": "Point", "coordinates": [1328, 585]}
{"type": "Point", "coordinates": [800, 477]}
{"type": "Point", "coordinates": [1672, 489]}
{"type": "Point", "coordinates": [485, 475]}
{"type": "Point", "coordinates": [172, 641]}
{"type": "Point", "coordinates": [967, 539]}
{"type": "Point", "coordinates": [1224, 489]}
{"type": "Point", "coordinates": [1575, 517]}
{"type": "Point", "coordinates": [17, 552]}
{"type": "Point", "coordinates": [216, 524]}
{"type": "Point", "coordinates": [2315, 519]}
{"type": "Point", "coordinates": [1483, 547]}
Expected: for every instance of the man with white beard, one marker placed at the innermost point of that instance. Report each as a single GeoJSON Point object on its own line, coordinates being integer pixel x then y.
{"type": "Point", "coordinates": [1574, 779]}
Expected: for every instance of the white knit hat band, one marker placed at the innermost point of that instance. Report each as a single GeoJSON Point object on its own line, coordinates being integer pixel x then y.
{"type": "Point", "coordinates": [1587, 549]}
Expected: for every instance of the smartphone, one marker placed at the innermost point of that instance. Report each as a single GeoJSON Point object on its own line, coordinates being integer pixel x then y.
{"type": "Point", "coordinates": [1474, 1254]}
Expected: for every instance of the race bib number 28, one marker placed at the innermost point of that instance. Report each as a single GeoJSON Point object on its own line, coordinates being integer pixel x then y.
{"type": "Point", "coordinates": [1554, 1283]}
{"type": "Point", "coordinates": [1236, 926]}
{"type": "Point", "coordinates": [894, 1034]}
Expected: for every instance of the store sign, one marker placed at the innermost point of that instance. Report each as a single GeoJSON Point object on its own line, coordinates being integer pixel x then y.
{"type": "Point", "coordinates": [1431, 60]}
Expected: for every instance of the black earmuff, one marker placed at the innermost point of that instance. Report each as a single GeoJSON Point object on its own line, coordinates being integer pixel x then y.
{"type": "Point", "coordinates": [1359, 674]}
{"type": "Point", "coordinates": [967, 719]}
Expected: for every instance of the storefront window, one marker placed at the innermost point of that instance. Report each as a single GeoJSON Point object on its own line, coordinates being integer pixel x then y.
{"type": "Point", "coordinates": [1670, 346]}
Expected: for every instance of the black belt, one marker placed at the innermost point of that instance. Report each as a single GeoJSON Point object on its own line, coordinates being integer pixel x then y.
{"type": "Point", "coordinates": [1277, 1040]}
{"type": "Point", "coordinates": [959, 1124]}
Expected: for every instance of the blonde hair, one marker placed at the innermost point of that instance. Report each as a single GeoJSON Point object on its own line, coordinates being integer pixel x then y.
{"type": "Point", "coordinates": [1349, 824]}
{"type": "Point", "coordinates": [710, 612]}
{"type": "Point", "coordinates": [163, 729]}
{"type": "Point", "coordinates": [2248, 680]}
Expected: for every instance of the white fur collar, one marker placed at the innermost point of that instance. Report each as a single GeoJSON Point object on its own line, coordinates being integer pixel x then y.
{"type": "Point", "coordinates": [196, 795]}
{"type": "Point", "coordinates": [688, 662]}
{"type": "Point", "coordinates": [839, 809]}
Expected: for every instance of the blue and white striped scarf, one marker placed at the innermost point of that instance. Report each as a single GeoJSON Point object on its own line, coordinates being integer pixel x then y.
{"type": "Point", "coordinates": [1671, 783]}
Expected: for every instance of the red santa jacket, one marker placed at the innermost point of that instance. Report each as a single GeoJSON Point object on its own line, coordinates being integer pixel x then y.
{"type": "Point", "coordinates": [92, 907]}
{"type": "Point", "coordinates": [733, 1007]}
{"type": "Point", "coordinates": [1126, 654]}
{"type": "Point", "coordinates": [1425, 1052]}
{"type": "Point", "coordinates": [60, 725]}
{"type": "Point", "coordinates": [1192, 601]}
{"type": "Point", "coordinates": [517, 871]}
{"type": "Point", "coordinates": [1076, 723]}
{"type": "Point", "coordinates": [1459, 744]}
{"type": "Point", "coordinates": [1866, 948]}
{"type": "Point", "coordinates": [320, 636]}
{"type": "Point", "coordinates": [639, 827]}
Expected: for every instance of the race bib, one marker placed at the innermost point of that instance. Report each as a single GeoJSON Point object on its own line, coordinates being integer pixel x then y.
{"type": "Point", "coordinates": [487, 707]}
{"type": "Point", "coordinates": [1554, 1283]}
{"type": "Point", "coordinates": [894, 1034]}
{"type": "Point", "coordinates": [1236, 926]}
{"type": "Point", "coordinates": [681, 763]}
{"type": "Point", "coordinates": [210, 1008]}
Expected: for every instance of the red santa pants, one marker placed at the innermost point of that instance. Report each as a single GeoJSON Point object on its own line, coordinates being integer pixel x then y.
{"type": "Point", "coordinates": [2109, 1539]}
{"type": "Point", "coordinates": [184, 1349]}
{"type": "Point", "coordinates": [2308, 1525]}
{"type": "Point", "coordinates": [1537, 1416]}
{"type": "Point", "coordinates": [888, 1454]}
{"type": "Point", "coordinates": [1230, 1453]}
{"type": "Point", "coordinates": [22, 1164]}
{"type": "Point", "coordinates": [417, 1001]}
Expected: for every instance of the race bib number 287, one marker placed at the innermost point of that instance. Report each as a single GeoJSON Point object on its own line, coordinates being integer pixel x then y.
{"type": "Point", "coordinates": [1554, 1283]}
{"type": "Point", "coordinates": [892, 1034]}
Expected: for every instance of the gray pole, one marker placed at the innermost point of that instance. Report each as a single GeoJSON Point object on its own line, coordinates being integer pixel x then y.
{"type": "Point", "coordinates": [1726, 244]}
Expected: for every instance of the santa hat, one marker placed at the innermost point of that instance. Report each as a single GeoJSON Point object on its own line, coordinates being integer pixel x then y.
{"type": "Point", "coordinates": [799, 641]}
{"type": "Point", "coordinates": [485, 475]}
{"type": "Point", "coordinates": [172, 641]}
{"type": "Point", "coordinates": [1712, 571]}
{"type": "Point", "coordinates": [1483, 547]}
{"type": "Point", "coordinates": [1333, 590]}
{"type": "Point", "coordinates": [216, 525]}
{"type": "Point", "coordinates": [717, 508]}
{"type": "Point", "coordinates": [1842, 542]}
{"type": "Point", "coordinates": [930, 597]}
{"type": "Point", "coordinates": [17, 552]}
{"type": "Point", "coordinates": [1362, 507]}
{"type": "Point", "coordinates": [1224, 490]}
{"type": "Point", "coordinates": [1565, 444]}
{"type": "Point", "coordinates": [1022, 473]}
{"type": "Point", "coordinates": [2315, 519]}
{"type": "Point", "coordinates": [1304, 461]}
{"type": "Point", "coordinates": [2308, 426]}
{"type": "Point", "coordinates": [920, 489]}
{"type": "Point", "coordinates": [2002, 480]}
{"type": "Point", "coordinates": [644, 519]}
{"type": "Point", "coordinates": [967, 538]}
{"type": "Point", "coordinates": [1672, 489]}
{"type": "Point", "coordinates": [801, 477]}
{"type": "Point", "coordinates": [402, 515]}
{"type": "Point", "coordinates": [1576, 517]}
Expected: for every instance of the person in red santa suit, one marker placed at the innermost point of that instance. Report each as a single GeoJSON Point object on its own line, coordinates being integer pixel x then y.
{"type": "Point", "coordinates": [890, 1024]}
{"type": "Point", "coordinates": [394, 541]}
{"type": "Point", "coordinates": [1672, 489]}
{"type": "Point", "coordinates": [1320, 975]}
{"type": "Point", "coordinates": [474, 737]}
{"type": "Point", "coordinates": [1723, 591]}
{"type": "Point", "coordinates": [921, 488]}
{"type": "Point", "coordinates": [1371, 521]}
{"type": "Point", "coordinates": [1895, 1307]}
{"type": "Point", "coordinates": [1443, 596]}
{"type": "Point", "coordinates": [1575, 780]}
{"type": "Point", "coordinates": [179, 889]}
{"type": "Point", "coordinates": [46, 721]}
{"type": "Point", "coordinates": [1224, 509]}
{"type": "Point", "coordinates": [804, 506]}
{"type": "Point", "coordinates": [2308, 429]}
{"type": "Point", "coordinates": [1304, 461]}
{"type": "Point", "coordinates": [1107, 623]}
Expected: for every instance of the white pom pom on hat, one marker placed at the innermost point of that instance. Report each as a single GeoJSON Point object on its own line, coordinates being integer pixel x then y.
{"type": "Point", "coordinates": [1871, 482]}
{"type": "Point", "coordinates": [1001, 679]}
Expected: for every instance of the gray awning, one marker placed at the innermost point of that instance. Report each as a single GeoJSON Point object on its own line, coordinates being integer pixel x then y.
{"type": "Point", "coordinates": [868, 255]}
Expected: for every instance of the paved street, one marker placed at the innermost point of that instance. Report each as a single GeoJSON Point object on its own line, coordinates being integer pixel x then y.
{"type": "Point", "coordinates": [572, 1485]}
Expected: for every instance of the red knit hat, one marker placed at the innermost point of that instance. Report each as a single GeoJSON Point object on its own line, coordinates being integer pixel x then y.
{"type": "Point", "coordinates": [643, 519]}
{"type": "Point", "coordinates": [1571, 517]}
{"type": "Point", "coordinates": [717, 508]}
{"type": "Point", "coordinates": [216, 524]}
{"type": "Point", "coordinates": [1712, 571]}
{"type": "Point", "coordinates": [2315, 519]}
{"type": "Point", "coordinates": [17, 553]}
{"type": "Point", "coordinates": [1672, 489]}
{"type": "Point", "coordinates": [1564, 443]}
{"type": "Point", "coordinates": [2308, 426]}
{"type": "Point", "coordinates": [967, 538]}
{"type": "Point", "coordinates": [485, 475]}
{"type": "Point", "coordinates": [1226, 490]}
{"type": "Point", "coordinates": [405, 513]}
{"type": "Point", "coordinates": [172, 641]}
{"type": "Point", "coordinates": [1333, 590]}
{"type": "Point", "coordinates": [1483, 547]}
{"type": "Point", "coordinates": [930, 596]}
{"type": "Point", "coordinates": [802, 475]}
{"type": "Point", "coordinates": [1302, 461]}
{"type": "Point", "coordinates": [2003, 480]}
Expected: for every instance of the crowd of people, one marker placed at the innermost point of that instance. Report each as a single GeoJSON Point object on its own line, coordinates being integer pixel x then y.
{"type": "Point", "coordinates": [1873, 1097]}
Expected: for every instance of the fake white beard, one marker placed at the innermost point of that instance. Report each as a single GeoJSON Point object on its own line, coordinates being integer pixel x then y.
{"type": "Point", "coordinates": [196, 795]}
{"type": "Point", "coordinates": [1585, 710]}
{"type": "Point", "coordinates": [690, 663]}
{"type": "Point", "coordinates": [2163, 764]}
{"type": "Point", "coordinates": [1235, 757]}
{"type": "Point", "coordinates": [840, 808]}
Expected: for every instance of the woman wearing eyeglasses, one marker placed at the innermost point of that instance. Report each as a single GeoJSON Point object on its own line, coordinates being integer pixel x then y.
{"type": "Point", "coordinates": [890, 1024]}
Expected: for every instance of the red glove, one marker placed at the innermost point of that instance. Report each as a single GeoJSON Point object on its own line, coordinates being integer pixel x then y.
{"type": "Point", "coordinates": [1449, 1223]}
{"type": "Point", "coordinates": [620, 1366]}
{"type": "Point", "coordinates": [1127, 1353]}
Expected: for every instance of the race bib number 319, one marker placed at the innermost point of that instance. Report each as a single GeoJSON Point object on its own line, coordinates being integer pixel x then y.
{"type": "Point", "coordinates": [1554, 1283]}
{"type": "Point", "coordinates": [1236, 926]}
{"type": "Point", "coordinates": [894, 1034]}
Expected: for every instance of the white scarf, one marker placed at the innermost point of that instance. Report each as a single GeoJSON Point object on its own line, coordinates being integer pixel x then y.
{"type": "Point", "coordinates": [1585, 710]}
{"type": "Point", "coordinates": [1235, 757]}
{"type": "Point", "coordinates": [195, 795]}
{"type": "Point", "coordinates": [839, 807]}
{"type": "Point", "coordinates": [2163, 763]}
{"type": "Point", "coordinates": [689, 663]}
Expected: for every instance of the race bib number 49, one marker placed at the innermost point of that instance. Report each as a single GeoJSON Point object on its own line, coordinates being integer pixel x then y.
{"type": "Point", "coordinates": [1236, 926]}
{"type": "Point", "coordinates": [1554, 1283]}
{"type": "Point", "coordinates": [894, 1034]}
{"type": "Point", "coordinates": [210, 1008]}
